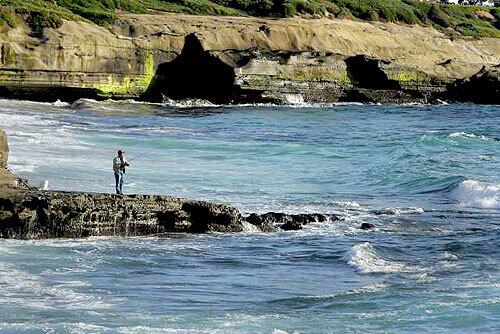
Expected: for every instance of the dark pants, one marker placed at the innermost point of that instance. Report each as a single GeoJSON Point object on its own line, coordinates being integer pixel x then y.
{"type": "Point", "coordinates": [119, 181]}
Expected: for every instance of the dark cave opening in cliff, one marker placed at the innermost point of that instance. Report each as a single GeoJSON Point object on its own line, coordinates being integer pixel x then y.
{"type": "Point", "coordinates": [195, 73]}
{"type": "Point", "coordinates": [365, 72]}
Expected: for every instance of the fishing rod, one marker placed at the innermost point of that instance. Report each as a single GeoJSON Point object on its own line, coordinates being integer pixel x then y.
{"type": "Point", "coordinates": [25, 183]}
{"type": "Point", "coordinates": [20, 179]}
{"type": "Point", "coordinates": [140, 155]}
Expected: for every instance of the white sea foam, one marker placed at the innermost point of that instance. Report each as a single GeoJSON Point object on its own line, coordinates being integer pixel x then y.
{"type": "Point", "coordinates": [60, 104]}
{"type": "Point", "coordinates": [159, 330]}
{"type": "Point", "coordinates": [366, 259]}
{"type": "Point", "coordinates": [370, 288]}
{"type": "Point", "coordinates": [247, 227]}
{"type": "Point", "coordinates": [399, 211]}
{"type": "Point", "coordinates": [468, 135]}
{"type": "Point", "coordinates": [29, 290]}
{"type": "Point", "coordinates": [189, 103]}
{"type": "Point", "coordinates": [294, 99]}
{"type": "Point", "coordinates": [336, 228]}
{"type": "Point", "coordinates": [287, 100]}
{"type": "Point", "coordinates": [472, 193]}
{"type": "Point", "coordinates": [349, 204]}
{"type": "Point", "coordinates": [280, 331]}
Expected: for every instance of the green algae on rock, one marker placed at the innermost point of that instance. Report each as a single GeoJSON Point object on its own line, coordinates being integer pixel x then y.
{"type": "Point", "coordinates": [237, 59]}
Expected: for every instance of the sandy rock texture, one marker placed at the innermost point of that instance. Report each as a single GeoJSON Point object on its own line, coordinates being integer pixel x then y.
{"type": "Point", "coordinates": [258, 59]}
{"type": "Point", "coordinates": [6, 178]}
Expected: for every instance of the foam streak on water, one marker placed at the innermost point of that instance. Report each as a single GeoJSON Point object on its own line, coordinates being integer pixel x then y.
{"type": "Point", "coordinates": [427, 177]}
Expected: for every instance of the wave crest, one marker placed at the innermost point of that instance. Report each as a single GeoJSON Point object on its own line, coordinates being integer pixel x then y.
{"type": "Point", "coordinates": [477, 194]}
{"type": "Point", "coordinates": [468, 135]}
{"type": "Point", "coordinates": [367, 260]}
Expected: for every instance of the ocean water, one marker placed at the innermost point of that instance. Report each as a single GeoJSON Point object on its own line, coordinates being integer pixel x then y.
{"type": "Point", "coordinates": [428, 177]}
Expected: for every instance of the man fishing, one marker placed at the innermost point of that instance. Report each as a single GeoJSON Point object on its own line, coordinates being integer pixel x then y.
{"type": "Point", "coordinates": [119, 164]}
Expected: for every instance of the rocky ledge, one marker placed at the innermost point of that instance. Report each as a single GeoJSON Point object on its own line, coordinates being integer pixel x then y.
{"type": "Point", "coordinates": [27, 213]}
{"type": "Point", "coordinates": [52, 214]}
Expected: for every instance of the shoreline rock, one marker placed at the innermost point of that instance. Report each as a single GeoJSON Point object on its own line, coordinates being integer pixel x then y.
{"type": "Point", "coordinates": [59, 214]}
{"type": "Point", "coordinates": [28, 213]}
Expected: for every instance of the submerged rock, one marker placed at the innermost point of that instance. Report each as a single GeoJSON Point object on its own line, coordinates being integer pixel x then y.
{"type": "Point", "coordinates": [271, 221]}
{"type": "Point", "coordinates": [367, 226]}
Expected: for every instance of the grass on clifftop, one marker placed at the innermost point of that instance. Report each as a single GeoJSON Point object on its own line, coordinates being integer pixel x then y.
{"type": "Point", "coordinates": [468, 21]}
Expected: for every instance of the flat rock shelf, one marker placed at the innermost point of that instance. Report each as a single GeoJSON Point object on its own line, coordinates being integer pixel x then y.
{"type": "Point", "coordinates": [58, 214]}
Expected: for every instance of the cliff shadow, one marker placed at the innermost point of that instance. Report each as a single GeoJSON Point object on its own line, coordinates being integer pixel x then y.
{"type": "Point", "coordinates": [365, 72]}
{"type": "Point", "coordinates": [195, 73]}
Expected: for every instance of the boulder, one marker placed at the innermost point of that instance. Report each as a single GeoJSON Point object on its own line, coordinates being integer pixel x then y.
{"type": "Point", "coordinates": [485, 16]}
{"type": "Point", "coordinates": [367, 226]}
{"type": "Point", "coordinates": [6, 177]}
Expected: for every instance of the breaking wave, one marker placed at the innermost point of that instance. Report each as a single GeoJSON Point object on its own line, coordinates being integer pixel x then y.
{"type": "Point", "coordinates": [365, 258]}
{"type": "Point", "coordinates": [16, 284]}
{"type": "Point", "coordinates": [472, 193]}
{"type": "Point", "coordinates": [468, 135]}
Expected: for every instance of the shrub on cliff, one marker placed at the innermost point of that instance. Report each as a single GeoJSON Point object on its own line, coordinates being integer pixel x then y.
{"type": "Point", "coordinates": [7, 17]}
{"type": "Point", "coordinates": [98, 11]}
{"type": "Point", "coordinates": [254, 7]}
{"type": "Point", "coordinates": [462, 19]}
{"type": "Point", "coordinates": [439, 17]}
{"type": "Point", "coordinates": [385, 10]}
{"type": "Point", "coordinates": [39, 20]}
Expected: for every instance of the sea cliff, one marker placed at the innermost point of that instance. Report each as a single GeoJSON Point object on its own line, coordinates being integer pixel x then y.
{"type": "Point", "coordinates": [243, 59]}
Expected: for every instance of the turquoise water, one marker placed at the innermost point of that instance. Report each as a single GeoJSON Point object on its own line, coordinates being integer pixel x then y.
{"type": "Point", "coordinates": [428, 177]}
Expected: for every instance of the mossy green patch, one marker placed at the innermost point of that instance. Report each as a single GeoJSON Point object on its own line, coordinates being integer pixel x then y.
{"type": "Point", "coordinates": [126, 86]}
{"type": "Point", "coordinates": [8, 16]}
{"type": "Point", "coordinates": [414, 78]}
{"type": "Point", "coordinates": [318, 74]}
{"type": "Point", "coordinates": [149, 70]}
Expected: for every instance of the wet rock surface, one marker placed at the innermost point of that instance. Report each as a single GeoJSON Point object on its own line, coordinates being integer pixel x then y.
{"type": "Point", "coordinates": [367, 226]}
{"type": "Point", "coordinates": [53, 214]}
{"type": "Point", "coordinates": [33, 214]}
{"type": "Point", "coordinates": [273, 220]}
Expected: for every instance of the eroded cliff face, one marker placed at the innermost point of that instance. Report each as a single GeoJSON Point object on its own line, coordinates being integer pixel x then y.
{"type": "Point", "coordinates": [4, 149]}
{"type": "Point", "coordinates": [238, 59]}
{"type": "Point", "coordinates": [6, 178]}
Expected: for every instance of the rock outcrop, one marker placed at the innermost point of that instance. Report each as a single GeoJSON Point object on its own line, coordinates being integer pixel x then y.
{"type": "Point", "coordinates": [271, 221]}
{"type": "Point", "coordinates": [238, 59]}
{"type": "Point", "coordinates": [51, 214]}
{"type": "Point", "coordinates": [482, 87]}
{"type": "Point", "coordinates": [6, 178]}
{"type": "Point", "coordinates": [29, 213]}
{"type": "Point", "coordinates": [55, 214]}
